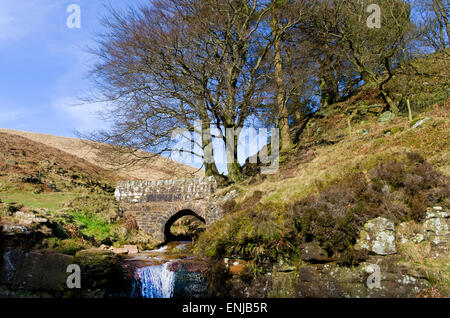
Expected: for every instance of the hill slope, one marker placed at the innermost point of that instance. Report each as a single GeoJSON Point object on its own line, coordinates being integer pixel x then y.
{"type": "Point", "coordinates": [24, 161]}
{"type": "Point", "coordinates": [159, 168]}
{"type": "Point", "coordinates": [327, 189]}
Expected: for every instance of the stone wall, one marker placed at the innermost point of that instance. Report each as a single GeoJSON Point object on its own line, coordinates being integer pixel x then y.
{"type": "Point", "coordinates": [154, 203]}
{"type": "Point", "coordinates": [165, 190]}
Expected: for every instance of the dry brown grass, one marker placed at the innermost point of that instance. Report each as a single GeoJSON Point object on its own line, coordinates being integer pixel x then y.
{"type": "Point", "coordinates": [418, 259]}
{"type": "Point", "coordinates": [20, 155]}
{"type": "Point", "coordinates": [159, 168]}
{"type": "Point", "coordinates": [360, 153]}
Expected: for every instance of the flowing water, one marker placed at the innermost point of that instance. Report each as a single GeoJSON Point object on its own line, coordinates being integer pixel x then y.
{"type": "Point", "coordinates": [155, 281]}
{"type": "Point", "coordinates": [170, 271]}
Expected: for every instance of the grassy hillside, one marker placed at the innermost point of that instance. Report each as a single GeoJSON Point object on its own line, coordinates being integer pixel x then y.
{"type": "Point", "coordinates": [29, 165]}
{"type": "Point", "coordinates": [159, 168]}
{"type": "Point", "coordinates": [325, 193]}
{"type": "Point", "coordinates": [309, 169]}
{"type": "Point", "coordinates": [73, 196]}
{"type": "Point", "coordinates": [353, 162]}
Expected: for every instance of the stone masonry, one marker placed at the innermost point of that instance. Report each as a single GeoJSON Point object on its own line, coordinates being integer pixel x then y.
{"type": "Point", "coordinates": [154, 204]}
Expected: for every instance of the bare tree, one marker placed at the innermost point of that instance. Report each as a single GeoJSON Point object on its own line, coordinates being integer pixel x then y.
{"type": "Point", "coordinates": [433, 23]}
{"type": "Point", "coordinates": [375, 53]}
{"type": "Point", "coordinates": [167, 65]}
{"type": "Point", "coordinates": [284, 16]}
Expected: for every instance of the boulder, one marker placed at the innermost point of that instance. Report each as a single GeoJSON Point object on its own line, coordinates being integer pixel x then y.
{"type": "Point", "coordinates": [35, 270]}
{"type": "Point", "coordinates": [437, 226]}
{"type": "Point", "coordinates": [313, 253]}
{"type": "Point", "coordinates": [29, 218]}
{"type": "Point", "coordinates": [329, 280]}
{"type": "Point", "coordinates": [132, 249]}
{"type": "Point", "coordinates": [119, 250]}
{"type": "Point", "coordinates": [99, 268]}
{"type": "Point", "coordinates": [13, 229]}
{"type": "Point", "coordinates": [377, 236]}
{"type": "Point", "coordinates": [420, 122]}
{"type": "Point", "coordinates": [283, 285]}
{"type": "Point", "coordinates": [386, 116]}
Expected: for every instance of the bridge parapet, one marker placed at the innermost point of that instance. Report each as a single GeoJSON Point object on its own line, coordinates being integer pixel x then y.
{"type": "Point", "coordinates": [165, 190]}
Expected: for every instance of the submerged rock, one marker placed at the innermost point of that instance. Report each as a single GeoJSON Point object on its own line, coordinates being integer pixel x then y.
{"type": "Point", "coordinates": [35, 270]}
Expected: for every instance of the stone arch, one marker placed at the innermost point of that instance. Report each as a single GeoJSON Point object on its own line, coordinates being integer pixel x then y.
{"type": "Point", "coordinates": [176, 213]}
{"type": "Point", "coordinates": [154, 203]}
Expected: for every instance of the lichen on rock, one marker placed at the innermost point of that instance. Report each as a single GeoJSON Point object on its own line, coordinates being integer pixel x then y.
{"type": "Point", "coordinates": [377, 236]}
{"type": "Point", "coordinates": [437, 226]}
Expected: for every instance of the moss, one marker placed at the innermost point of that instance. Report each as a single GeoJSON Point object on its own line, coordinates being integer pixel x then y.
{"type": "Point", "coordinates": [66, 246]}
{"type": "Point", "coordinates": [260, 233]}
{"type": "Point", "coordinates": [352, 257]}
{"type": "Point", "coordinates": [247, 275]}
{"type": "Point", "coordinates": [393, 130]}
{"type": "Point", "coordinates": [412, 123]}
{"type": "Point", "coordinates": [92, 225]}
{"type": "Point", "coordinates": [419, 259]}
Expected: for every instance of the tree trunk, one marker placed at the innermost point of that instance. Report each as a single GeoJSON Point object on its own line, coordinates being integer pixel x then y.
{"type": "Point", "coordinates": [328, 92]}
{"type": "Point", "coordinates": [392, 104]}
{"type": "Point", "coordinates": [283, 114]}
{"type": "Point", "coordinates": [444, 18]}
{"type": "Point", "coordinates": [234, 168]}
{"type": "Point", "coordinates": [208, 154]}
{"type": "Point", "coordinates": [439, 18]}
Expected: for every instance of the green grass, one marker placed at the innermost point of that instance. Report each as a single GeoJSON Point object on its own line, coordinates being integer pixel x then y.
{"type": "Point", "coordinates": [91, 215]}
{"type": "Point", "coordinates": [92, 225]}
{"type": "Point", "coordinates": [51, 201]}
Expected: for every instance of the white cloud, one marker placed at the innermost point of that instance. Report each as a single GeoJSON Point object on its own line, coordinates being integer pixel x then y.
{"type": "Point", "coordinates": [85, 116]}
{"type": "Point", "coordinates": [19, 19]}
{"type": "Point", "coordinates": [7, 117]}
{"type": "Point", "coordinates": [9, 112]}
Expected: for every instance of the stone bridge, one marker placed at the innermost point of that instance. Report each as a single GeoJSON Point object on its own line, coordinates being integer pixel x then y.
{"type": "Point", "coordinates": [156, 205]}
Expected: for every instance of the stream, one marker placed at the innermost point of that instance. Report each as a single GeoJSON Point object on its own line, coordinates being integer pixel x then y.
{"type": "Point", "coordinates": [171, 271]}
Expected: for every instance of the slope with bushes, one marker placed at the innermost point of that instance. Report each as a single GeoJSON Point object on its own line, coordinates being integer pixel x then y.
{"type": "Point", "coordinates": [353, 162]}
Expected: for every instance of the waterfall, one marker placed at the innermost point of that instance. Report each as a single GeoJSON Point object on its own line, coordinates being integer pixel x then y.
{"type": "Point", "coordinates": [156, 281]}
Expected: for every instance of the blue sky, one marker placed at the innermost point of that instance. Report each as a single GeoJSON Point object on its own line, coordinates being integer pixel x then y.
{"type": "Point", "coordinates": [44, 64]}
{"type": "Point", "coordinates": [44, 67]}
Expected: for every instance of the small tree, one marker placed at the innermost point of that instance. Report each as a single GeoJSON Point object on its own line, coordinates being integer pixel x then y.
{"type": "Point", "coordinates": [374, 52]}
